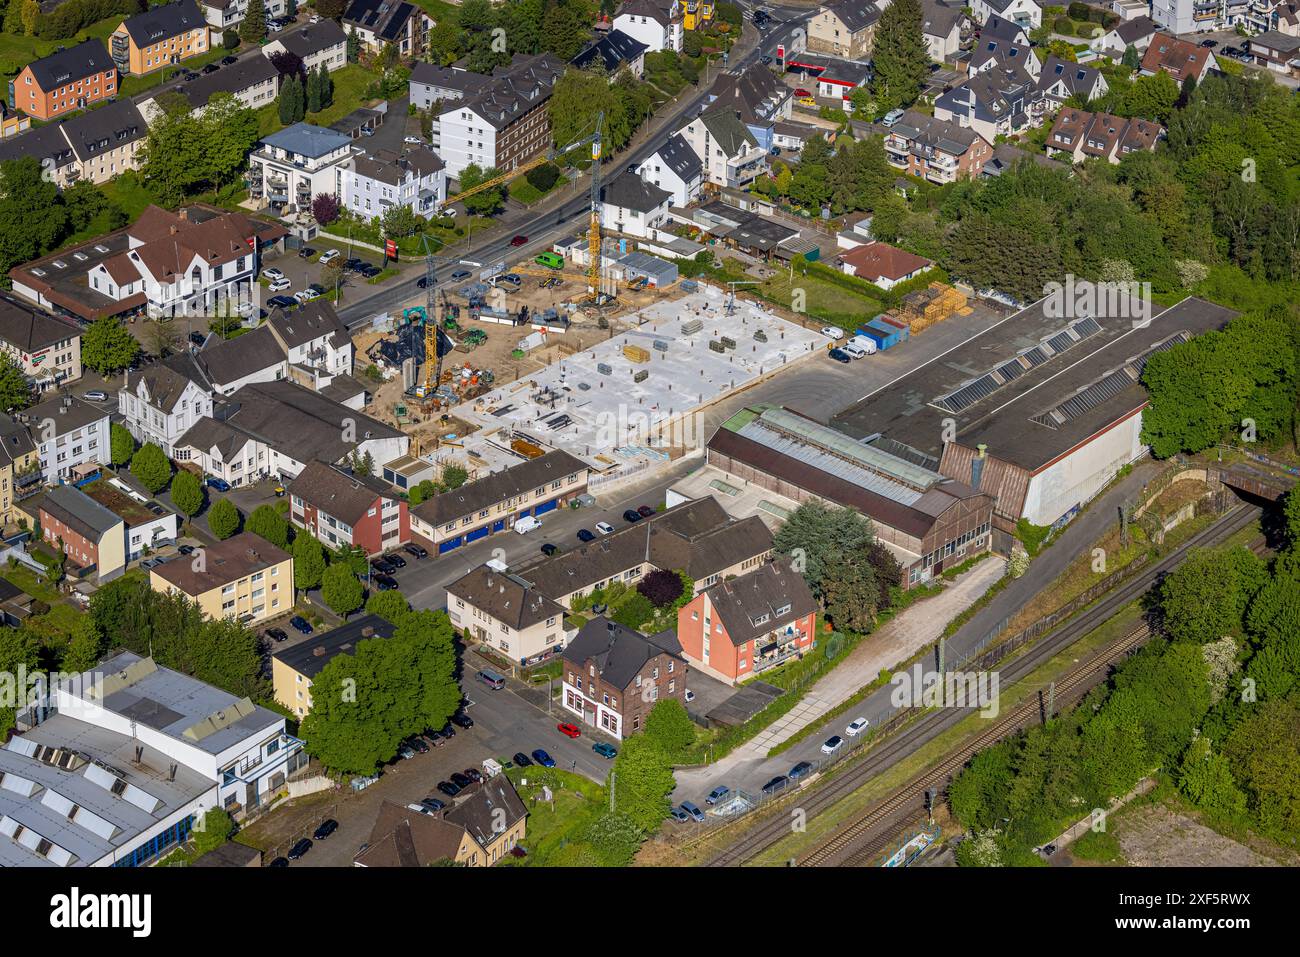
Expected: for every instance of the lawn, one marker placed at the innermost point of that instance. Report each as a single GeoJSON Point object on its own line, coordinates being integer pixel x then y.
{"type": "Point", "coordinates": [551, 826]}
{"type": "Point", "coordinates": [131, 85]}
{"type": "Point", "coordinates": [16, 52]}
{"type": "Point", "coordinates": [525, 192]}
{"type": "Point", "coordinates": [350, 85]}
{"type": "Point", "coordinates": [826, 301]}
{"type": "Point", "coordinates": [20, 576]}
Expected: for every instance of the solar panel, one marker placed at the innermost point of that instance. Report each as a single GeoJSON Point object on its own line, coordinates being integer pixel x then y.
{"type": "Point", "coordinates": [1086, 327]}
{"type": "Point", "coordinates": [1060, 342]}
{"type": "Point", "coordinates": [1011, 370]}
{"type": "Point", "coordinates": [970, 394]}
{"type": "Point", "coordinates": [1035, 356]}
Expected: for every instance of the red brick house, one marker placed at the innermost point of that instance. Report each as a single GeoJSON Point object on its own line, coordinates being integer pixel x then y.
{"type": "Point", "coordinates": [346, 509]}
{"type": "Point", "coordinates": [613, 675]}
{"type": "Point", "coordinates": [741, 627]}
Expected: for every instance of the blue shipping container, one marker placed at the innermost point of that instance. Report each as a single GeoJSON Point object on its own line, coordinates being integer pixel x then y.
{"type": "Point", "coordinates": [893, 334]}
{"type": "Point", "coordinates": [882, 340]}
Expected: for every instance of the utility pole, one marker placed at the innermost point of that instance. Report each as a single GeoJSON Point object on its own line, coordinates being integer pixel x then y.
{"type": "Point", "coordinates": [1051, 701]}
{"type": "Point", "coordinates": [612, 801]}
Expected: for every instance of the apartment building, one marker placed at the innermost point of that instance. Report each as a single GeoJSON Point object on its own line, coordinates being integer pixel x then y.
{"type": "Point", "coordinates": [159, 405]}
{"type": "Point", "coordinates": [67, 433]}
{"type": "Point", "coordinates": [1179, 58]}
{"type": "Point", "coordinates": [158, 37]}
{"type": "Point", "coordinates": [1080, 135]}
{"type": "Point", "coordinates": [633, 206]}
{"type": "Point", "coordinates": [478, 830]}
{"type": "Point", "coordinates": [245, 578]}
{"type": "Point", "coordinates": [378, 23]}
{"type": "Point", "coordinates": [677, 169]}
{"type": "Point", "coordinates": [937, 150]}
{"type": "Point", "coordinates": [729, 152]}
{"type": "Point", "coordinates": [997, 102]}
{"type": "Point", "coordinates": [89, 534]}
{"type": "Point", "coordinates": [1059, 80]}
{"type": "Point", "coordinates": [696, 14]}
{"type": "Point", "coordinates": [1027, 13]}
{"type": "Point", "coordinates": [289, 167]}
{"type": "Point", "coordinates": [46, 349]}
{"type": "Point", "coordinates": [742, 627]}
{"type": "Point", "coordinates": [1187, 16]}
{"type": "Point", "coordinates": [505, 613]}
{"type": "Point", "coordinates": [67, 80]}
{"type": "Point", "coordinates": [314, 44]}
{"type": "Point", "coordinates": [346, 509]}
{"type": "Point", "coordinates": [294, 669]}
{"type": "Point", "coordinates": [96, 145]}
{"type": "Point", "coordinates": [613, 53]}
{"type": "Point", "coordinates": [655, 23]}
{"type": "Point", "coordinates": [941, 28]}
{"type": "Point", "coordinates": [495, 502]}
{"type": "Point", "coordinates": [374, 183]}
{"type": "Point", "coordinates": [844, 28]}
{"type": "Point", "coordinates": [20, 470]}
{"type": "Point", "coordinates": [224, 15]}
{"type": "Point", "coordinates": [504, 123]}
{"type": "Point", "coordinates": [253, 81]}
{"type": "Point", "coordinates": [1003, 45]}
{"type": "Point", "coordinates": [613, 676]}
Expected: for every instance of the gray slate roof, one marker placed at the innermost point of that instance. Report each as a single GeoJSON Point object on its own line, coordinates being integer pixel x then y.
{"type": "Point", "coordinates": [79, 511]}
{"type": "Point", "coordinates": [678, 156]}
{"type": "Point", "coordinates": [613, 50]}
{"type": "Point", "coordinates": [618, 652]}
{"type": "Point", "coordinates": [160, 23]}
{"type": "Point", "coordinates": [307, 140]}
{"type": "Point", "coordinates": [87, 58]}
{"type": "Point", "coordinates": [630, 191]}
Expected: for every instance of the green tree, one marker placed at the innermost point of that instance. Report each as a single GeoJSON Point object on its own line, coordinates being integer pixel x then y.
{"type": "Point", "coordinates": [151, 466]}
{"type": "Point", "coordinates": [223, 519]}
{"type": "Point", "coordinates": [453, 476]}
{"type": "Point", "coordinates": [107, 346]}
{"type": "Point", "coordinates": [392, 605]}
{"type": "Point", "coordinates": [85, 646]}
{"type": "Point", "coordinates": [326, 86]}
{"type": "Point", "coordinates": [400, 221]}
{"type": "Point", "coordinates": [187, 493]}
{"type": "Point", "coordinates": [341, 590]}
{"type": "Point", "coordinates": [19, 650]}
{"type": "Point", "coordinates": [15, 391]}
{"type": "Point", "coordinates": [188, 154]}
{"type": "Point", "coordinates": [670, 727]}
{"type": "Point", "coordinates": [121, 443]}
{"type": "Point", "coordinates": [899, 56]}
{"type": "Point", "coordinates": [270, 524]}
{"type": "Point", "coordinates": [1205, 598]}
{"type": "Point", "coordinates": [354, 41]}
{"type": "Point", "coordinates": [308, 561]}
{"type": "Point", "coordinates": [643, 779]}
{"type": "Point", "coordinates": [313, 92]}
{"type": "Point", "coordinates": [230, 39]}
{"type": "Point", "coordinates": [253, 27]}
{"type": "Point", "coordinates": [487, 201]}
{"type": "Point", "coordinates": [216, 826]}
{"type": "Point", "coordinates": [1206, 778]}
{"type": "Point", "coordinates": [32, 219]}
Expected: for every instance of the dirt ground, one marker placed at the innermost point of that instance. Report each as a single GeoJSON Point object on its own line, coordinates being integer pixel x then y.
{"type": "Point", "coordinates": [1157, 836]}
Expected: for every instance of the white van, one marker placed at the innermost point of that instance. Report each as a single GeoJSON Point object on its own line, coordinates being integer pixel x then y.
{"type": "Point", "coordinates": [854, 350]}
{"type": "Point", "coordinates": [526, 524]}
{"type": "Point", "coordinates": [865, 343]}
{"type": "Point", "coordinates": [491, 767]}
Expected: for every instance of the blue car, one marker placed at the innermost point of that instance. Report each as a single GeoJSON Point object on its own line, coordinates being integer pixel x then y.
{"type": "Point", "coordinates": [544, 759]}
{"type": "Point", "coordinates": [301, 624]}
{"type": "Point", "coordinates": [717, 794]}
{"type": "Point", "coordinates": [693, 810]}
{"type": "Point", "coordinates": [220, 484]}
{"type": "Point", "coordinates": [800, 770]}
{"type": "Point", "coordinates": [585, 535]}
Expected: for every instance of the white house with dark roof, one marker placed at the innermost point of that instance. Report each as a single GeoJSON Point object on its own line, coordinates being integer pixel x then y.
{"type": "Point", "coordinates": [676, 168]}
{"type": "Point", "coordinates": [378, 23]}
{"type": "Point", "coordinates": [159, 405]}
{"type": "Point", "coordinates": [1027, 13]}
{"type": "Point", "coordinates": [844, 28]}
{"type": "Point", "coordinates": [46, 349]}
{"type": "Point", "coordinates": [613, 53]}
{"type": "Point", "coordinates": [67, 432]}
{"type": "Point", "coordinates": [314, 44]}
{"type": "Point", "coordinates": [225, 15]}
{"type": "Point", "coordinates": [374, 183]}
{"type": "Point", "coordinates": [997, 102]}
{"type": "Point", "coordinates": [1003, 45]}
{"type": "Point", "coordinates": [292, 165]}
{"type": "Point", "coordinates": [655, 23]}
{"type": "Point", "coordinates": [729, 152]}
{"type": "Point", "coordinates": [633, 206]}
{"type": "Point", "coordinates": [1060, 79]}
{"type": "Point", "coordinates": [1135, 33]}
{"type": "Point", "coordinates": [941, 26]}
{"type": "Point", "coordinates": [95, 146]}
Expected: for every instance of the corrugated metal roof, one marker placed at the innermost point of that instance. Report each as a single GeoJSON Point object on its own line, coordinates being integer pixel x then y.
{"type": "Point", "coordinates": [841, 444]}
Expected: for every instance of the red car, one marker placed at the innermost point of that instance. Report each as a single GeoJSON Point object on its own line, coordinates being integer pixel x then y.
{"type": "Point", "coordinates": [569, 730]}
{"type": "Point", "coordinates": [518, 240]}
{"type": "Point", "coordinates": [801, 93]}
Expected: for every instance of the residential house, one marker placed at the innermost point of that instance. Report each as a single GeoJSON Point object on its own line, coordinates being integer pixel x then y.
{"type": "Point", "coordinates": [316, 44]}
{"type": "Point", "coordinates": [478, 830]}
{"type": "Point", "coordinates": [675, 168]}
{"type": "Point", "coordinates": [1278, 51]}
{"type": "Point", "coordinates": [1060, 79]}
{"type": "Point", "coordinates": [1135, 33]}
{"type": "Point", "coordinates": [159, 405]}
{"type": "Point", "coordinates": [505, 122]}
{"type": "Point", "coordinates": [613, 53]}
{"type": "Point", "coordinates": [347, 509]}
{"type": "Point", "coordinates": [1003, 45]}
{"type": "Point", "coordinates": [219, 450]}
{"type": "Point", "coordinates": [67, 80]}
{"type": "Point", "coordinates": [696, 537]}
{"type": "Point", "coordinates": [696, 14]}
{"type": "Point", "coordinates": [937, 150]}
{"type": "Point", "coordinates": [67, 432]}
{"type": "Point", "coordinates": [998, 102]}
{"type": "Point", "coordinates": [1027, 13]}
{"type": "Point", "coordinates": [147, 524]}
{"type": "Point", "coordinates": [20, 470]}
{"type": "Point", "coordinates": [253, 81]}
{"type": "Point", "coordinates": [244, 577]}
{"type": "Point", "coordinates": [378, 23]}
{"type": "Point", "coordinates": [758, 97]}
{"type": "Point", "coordinates": [844, 28]}
{"type": "Point", "coordinates": [374, 183]}
{"type": "Point", "coordinates": [289, 167]}
{"type": "Point", "coordinates": [729, 152]}
{"type": "Point", "coordinates": [1081, 135]}
{"type": "Point", "coordinates": [831, 78]}
{"type": "Point", "coordinates": [223, 15]}
{"type": "Point", "coordinates": [12, 122]}
{"type": "Point", "coordinates": [881, 264]}
{"type": "Point", "coordinates": [316, 344]}
{"type": "Point", "coordinates": [941, 28]}
{"type": "Point", "coordinates": [633, 206]}
{"type": "Point", "coordinates": [46, 349]}
{"type": "Point", "coordinates": [741, 627]}
{"type": "Point", "coordinates": [1006, 157]}
{"type": "Point", "coordinates": [95, 145]}
{"type": "Point", "coordinates": [1187, 16]}
{"type": "Point", "coordinates": [431, 84]}
{"type": "Point", "coordinates": [655, 23]}
{"type": "Point", "coordinates": [1280, 15]}
{"type": "Point", "coordinates": [614, 675]}
{"type": "Point", "coordinates": [1179, 58]}
{"type": "Point", "coordinates": [507, 614]}
{"type": "Point", "coordinates": [90, 535]}
{"type": "Point", "coordinates": [294, 669]}
{"type": "Point", "coordinates": [495, 502]}
{"type": "Point", "coordinates": [160, 36]}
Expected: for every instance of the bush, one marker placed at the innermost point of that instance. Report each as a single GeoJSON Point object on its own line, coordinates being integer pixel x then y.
{"type": "Point", "coordinates": [634, 610]}
{"type": "Point", "coordinates": [223, 519]}
{"type": "Point", "coordinates": [543, 177]}
{"type": "Point", "coordinates": [1063, 25]}
{"type": "Point", "coordinates": [662, 587]}
{"type": "Point", "coordinates": [230, 39]}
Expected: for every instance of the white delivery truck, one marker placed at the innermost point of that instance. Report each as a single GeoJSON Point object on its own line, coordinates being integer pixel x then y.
{"type": "Point", "coordinates": [526, 524]}
{"type": "Point", "coordinates": [865, 343]}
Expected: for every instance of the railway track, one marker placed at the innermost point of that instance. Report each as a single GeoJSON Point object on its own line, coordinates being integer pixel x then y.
{"type": "Point", "coordinates": [861, 837]}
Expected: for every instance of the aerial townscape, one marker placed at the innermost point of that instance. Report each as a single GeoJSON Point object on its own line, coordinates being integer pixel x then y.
{"type": "Point", "coordinates": [650, 434]}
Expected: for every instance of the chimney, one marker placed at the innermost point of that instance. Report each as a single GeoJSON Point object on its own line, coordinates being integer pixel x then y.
{"type": "Point", "coordinates": [171, 772]}
{"type": "Point", "coordinates": [368, 632]}
{"type": "Point", "coordinates": [983, 449]}
{"type": "Point", "coordinates": [318, 651]}
{"type": "Point", "coordinates": [139, 754]}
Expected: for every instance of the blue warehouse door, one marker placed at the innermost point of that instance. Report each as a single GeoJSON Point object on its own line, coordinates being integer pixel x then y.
{"type": "Point", "coordinates": [499, 526]}
{"type": "Point", "coordinates": [546, 507]}
{"type": "Point", "coordinates": [475, 535]}
{"type": "Point", "coordinates": [449, 544]}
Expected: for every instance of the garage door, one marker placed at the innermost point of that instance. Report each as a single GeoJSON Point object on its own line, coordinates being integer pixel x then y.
{"type": "Point", "coordinates": [546, 507]}
{"type": "Point", "coordinates": [499, 526]}
{"type": "Point", "coordinates": [475, 535]}
{"type": "Point", "coordinates": [449, 544]}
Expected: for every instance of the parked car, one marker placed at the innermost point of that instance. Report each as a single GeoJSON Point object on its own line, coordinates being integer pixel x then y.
{"type": "Point", "coordinates": [765, 59]}
{"type": "Point", "coordinates": [301, 624]}
{"type": "Point", "coordinates": [272, 273]}
{"type": "Point", "coordinates": [353, 264]}
{"type": "Point", "coordinates": [778, 783]}
{"type": "Point", "coordinates": [832, 744]}
{"type": "Point", "coordinates": [96, 395]}
{"type": "Point", "coordinates": [544, 759]}
{"type": "Point", "coordinates": [474, 774]}
{"type": "Point", "coordinates": [328, 256]}
{"type": "Point", "coordinates": [605, 750]}
{"type": "Point", "coordinates": [220, 484]}
{"type": "Point", "coordinates": [569, 730]}
{"type": "Point", "coordinates": [414, 141]}
{"type": "Point", "coordinates": [460, 780]}
{"type": "Point", "coordinates": [383, 566]}
{"type": "Point", "coordinates": [326, 828]}
{"type": "Point", "coordinates": [279, 861]}
{"type": "Point", "coordinates": [631, 515]}
{"type": "Point", "coordinates": [298, 850]}
{"type": "Point", "coordinates": [151, 562]}
{"type": "Point", "coordinates": [370, 271]}
{"type": "Point", "coordinates": [460, 274]}
{"type": "Point", "coordinates": [801, 770]}
{"type": "Point", "coordinates": [417, 742]}
{"type": "Point", "coordinates": [585, 535]}
{"type": "Point", "coordinates": [282, 302]}
{"type": "Point", "coordinates": [303, 296]}
{"type": "Point", "coordinates": [892, 117]}
{"type": "Point", "coordinates": [680, 816]}
{"type": "Point", "coordinates": [839, 355]}
{"type": "Point", "coordinates": [548, 549]}
{"type": "Point", "coordinates": [227, 60]}
{"type": "Point", "coordinates": [435, 738]}
{"type": "Point", "coordinates": [521, 760]}
{"type": "Point", "coordinates": [720, 793]}
{"type": "Point", "coordinates": [462, 720]}
{"type": "Point", "coordinates": [690, 695]}
{"type": "Point", "coordinates": [856, 727]}
{"type": "Point", "coordinates": [604, 528]}
{"type": "Point", "coordinates": [802, 94]}
{"type": "Point", "coordinates": [449, 789]}
{"type": "Point", "coordinates": [384, 582]}
{"type": "Point", "coordinates": [1209, 44]}
{"type": "Point", "coordinates": [417, 551]}
{"type": "Point", "coordinates": [405, 752]}
{"type": "Point", "coordinates": [518, 240]}
{"type": "Point", "coordinates": [433, 804]}
{"type": "Point", "coordinates": [277, 634]}
{"type": "Point", "coordinates": [306, 252]}
{"type": "Point", "coordinates": [396, 561]}
{"type": "Point", "coordinates": [646, 511]}
{"type": "Point", "coordinates": [693, 810]}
